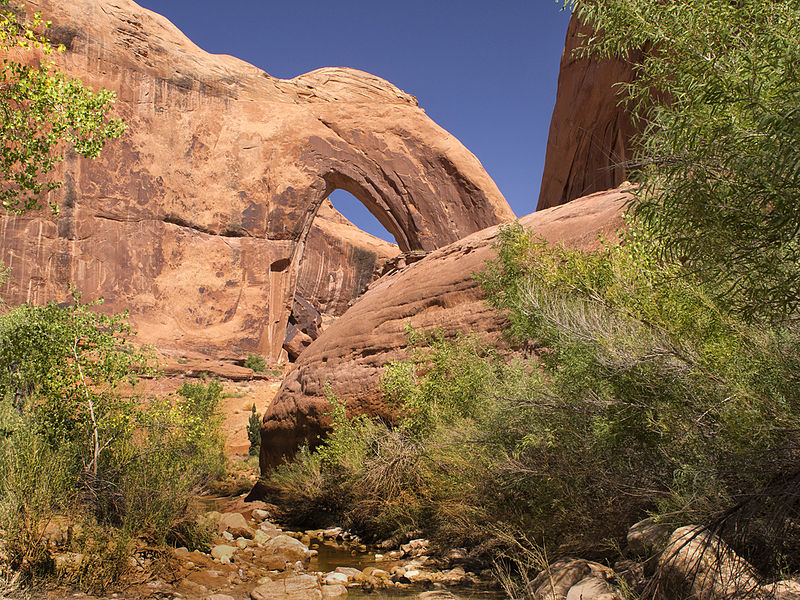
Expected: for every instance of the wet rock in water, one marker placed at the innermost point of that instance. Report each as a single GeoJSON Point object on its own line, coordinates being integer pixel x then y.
{"type": "Point", "coordinates": [697, 564]}
{"type": "Point", "coordinates": [333, 533]}
{"type": "Point", "coordinates": [437, 595]}
{"type": "Point", "coordinates": [331, 592]}
{"type": "Point", "coordinates": [301, 587]}
{"type": "Point", "coordinates": [223, 553]}
{"type": "Point", "coordinates": [415, 548]}
{"type": "Point", "coordinates": [335, 578]}
{"type": "Point", "coordinates": [351, 573]}
{"type": "Point", "coordinates": [286, 549]}
{"type": "Point", "coordinates": [455, 576]}
{"type": "Point", "coordinates": [235, 524]}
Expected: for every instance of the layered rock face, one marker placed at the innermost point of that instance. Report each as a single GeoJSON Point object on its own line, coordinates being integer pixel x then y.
{"type": "Point", "coordinates": [590, 133]}
{"type": "Point", "coordinates": [198, 219]}
{"type": "Point", "coordinates": [435, 292]}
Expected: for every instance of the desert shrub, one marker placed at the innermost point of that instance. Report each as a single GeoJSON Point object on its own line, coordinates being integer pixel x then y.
{"type": "Point", "coordinates": [254, 432]}
{"type": "Point", "coordinates": [652, 398]}
{"type": "Point", "coordinates": [626, 391]}
{"type": "Point", "coordinates": [255, 362]}
{"type": "Point", "coordinates": [74, 447]}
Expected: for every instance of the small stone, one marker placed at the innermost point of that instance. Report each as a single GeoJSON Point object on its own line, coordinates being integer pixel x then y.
{"type": "Point", "coordinates": [219, 597]}
{"type": "Point", "coordinates": [260, 515]}
{"type": "Point", "coordinates": [223, 553]}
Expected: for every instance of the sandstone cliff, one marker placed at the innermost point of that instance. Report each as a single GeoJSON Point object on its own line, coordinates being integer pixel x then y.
{"type": "Point", "coordinates": [198, 218]}
{"type": "Point", "coordinates": [590, 133]}
{"type": "Point", "coordinates": [436, 292]}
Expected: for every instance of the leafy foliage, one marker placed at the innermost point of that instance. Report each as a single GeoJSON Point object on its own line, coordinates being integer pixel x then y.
{"type": "Point", "coordinates": [77, 444]}
{"type": "Point", "coordinates": [40, 108]}
{"type": "Point", "coordinates": [632, 393]}
{"type": "Point", "coordinates": [716, 93]}
{"type": "Point", "coordinates": [254, 432]}
{"type": "Point", "coordinates": [255, 362]}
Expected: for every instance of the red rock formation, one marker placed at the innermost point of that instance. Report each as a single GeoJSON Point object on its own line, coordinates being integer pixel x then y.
{"type": "Point", "coordinates": [590, 133]}
{"type": "Point", "coordinates": [197, 219]}
{"type": "Point", "coordinates": [438, 291]}
{"type": "Point", "coordinates": [339, 262]}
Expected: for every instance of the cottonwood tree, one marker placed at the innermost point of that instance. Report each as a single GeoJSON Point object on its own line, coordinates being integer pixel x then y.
{"type": "Point", "coordinates": [41, 111]}
{"type": "Point", "coordinates": [717, 94]}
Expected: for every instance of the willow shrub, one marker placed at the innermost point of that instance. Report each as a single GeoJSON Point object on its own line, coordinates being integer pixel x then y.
{"type": "Point", "coordinates": [630, 393]}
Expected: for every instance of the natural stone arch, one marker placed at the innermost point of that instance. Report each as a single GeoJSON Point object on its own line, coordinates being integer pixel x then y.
{"type": "Point", "coordinates": [196, 219]}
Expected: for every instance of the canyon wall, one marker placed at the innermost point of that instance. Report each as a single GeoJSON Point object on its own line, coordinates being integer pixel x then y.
{"type": "Point", "coordinates": [590, 132]}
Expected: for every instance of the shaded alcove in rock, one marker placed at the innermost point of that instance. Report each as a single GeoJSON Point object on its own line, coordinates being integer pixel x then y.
{"type": "Point", "coordinates": [339, 261]}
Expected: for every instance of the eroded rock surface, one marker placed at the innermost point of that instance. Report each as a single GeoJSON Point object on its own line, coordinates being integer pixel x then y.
{"type": "Point", "coordinates": [590, 133]}
{"type": "Point", "coordinates": [437, 291]}
{"type": "Point", "coordinates": [197, 219]}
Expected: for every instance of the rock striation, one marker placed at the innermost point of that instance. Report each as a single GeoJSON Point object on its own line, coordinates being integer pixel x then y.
{"type": "Point", "coordinates": [197, 220]}
{"type": "Point", "coordinates": [590, 132]}
{"type": "Point", "coordinates": [436, 292]}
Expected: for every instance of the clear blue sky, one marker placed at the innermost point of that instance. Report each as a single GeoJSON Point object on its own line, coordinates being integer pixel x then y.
{"type": "Point", "coordinates": [484, 71]}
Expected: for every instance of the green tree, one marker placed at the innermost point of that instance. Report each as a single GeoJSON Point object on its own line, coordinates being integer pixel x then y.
{"type": "Point", "coordinates": [41, 108]}
{"type": "Point", "coordinates": [716, 93]}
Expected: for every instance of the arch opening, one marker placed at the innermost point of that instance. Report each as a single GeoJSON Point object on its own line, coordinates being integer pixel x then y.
{"type": "Point", "coordinates": [345, 249]}
{"type": "Point", "coordinates": [352, 209]}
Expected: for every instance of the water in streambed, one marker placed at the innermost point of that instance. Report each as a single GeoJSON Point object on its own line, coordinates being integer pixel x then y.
{"type": "Point", "coordinates": [332, 555]}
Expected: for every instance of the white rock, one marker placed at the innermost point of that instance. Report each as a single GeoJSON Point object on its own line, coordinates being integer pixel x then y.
{"type": "Point", "coordinates": [336, 579]}
{"type": "Point", "coordinates": [223, 553]}
{"type": "Point", "coordinates": [260, 515]}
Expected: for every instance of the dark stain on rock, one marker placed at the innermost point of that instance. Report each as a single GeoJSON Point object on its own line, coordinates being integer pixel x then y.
{"type": "Point", "coordinates": [63, 35]}
{"type": "Point", "coordinates": [66, 217]}
{"type": "Point", "coordinates": [364, 267]}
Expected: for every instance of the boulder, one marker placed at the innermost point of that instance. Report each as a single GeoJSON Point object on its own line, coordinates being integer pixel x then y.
{"type": "Point", "coordinates": [556, 582]}
{"type": "Point", "coordinates": [788, 589]}
{"type": "Point", "coordinates": [332, 592]}
{"type": "Point", "coordinates": [235, 524]}
{"type": "Point", "coordinates": [593, 588]}
{"type": "Point", "coordinates": [590, 132]}
{"type": "Point", "coordinates": [301, 587]}
{"type": "Point", "coordinates": [335, 578]}
{"type": "Point", "coordinates": [435, 292]}
{"type": "Point", "coordinates": [647, 538]}
{"type": "Point", "coordinates": [287, 549]}
{"type": "Point", "coordinates": [200, 218]}
{"type": "Point", "coordinates": [698, 565]}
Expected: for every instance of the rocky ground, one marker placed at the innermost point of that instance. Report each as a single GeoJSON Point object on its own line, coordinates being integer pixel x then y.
{"type": "Point", "coordinates": [252, 557]}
